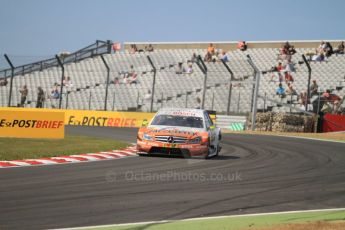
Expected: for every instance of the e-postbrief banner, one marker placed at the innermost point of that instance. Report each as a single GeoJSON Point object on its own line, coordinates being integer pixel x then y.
{"type": "Point", "coordinates": [23, 123]}
{"type": "Point", "coordinates": [106, 118]}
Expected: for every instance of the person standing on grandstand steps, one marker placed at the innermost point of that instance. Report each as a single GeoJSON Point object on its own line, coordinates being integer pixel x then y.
{"type": "Point", "coordinates": [24, 93]}
{"type": "Point", "coordinates": [241, 45]}
{"type": "Point", "coordinates": [40, 97]}
{"type": "Point", "coordinates": [211, 49]}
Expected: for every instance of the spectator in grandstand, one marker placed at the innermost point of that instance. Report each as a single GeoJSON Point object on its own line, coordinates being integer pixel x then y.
{"type": "Point", "coordinates": [328, 49]}
{"type": "Point", "coordinates": [133, 79]}
{"type": "Point", "coordinates": [189, 68]}
{"type": "Point", "coordinates": [67, 82]}
{"type": "Point", "coordinates": [290, 67]}
{"type": "Point", "coordinates": [326, 108]}
{"type": "Point", "coordinates": [280, 91]}
{"type": "Point", "coordinates": [289, 49]}
{"type": "Point", "coordinates": [288, 78]}
{"type": "Point", "coordinates": [211, 49]}
{"type": "Point", "coordinates": [148, 96]}
{"type": "Point", "coordinates": [198, 103]}
{"type": "Point", "coordinates": [223, 56]}
{"type": "Point", "coordinates": [149, 48]}
{"type": "Point", "coordinates": [116, 46]}
{"type": "Point", "coordinates": [286, 52]}
{"type": "Point", "coordinates": [313, 88]}
{"type": "Point", "coordinates": [290, 90]}
{"type": "Point", "coordinates": [318, 57]}
{"type": "Point", "coordinates": [40, 97]}
{"type": "Point", "coordinates": [132, 72]}
{"type": "Point", "coordinates": [194, 58]}
{"type": "Point", "coordinates": [208, 57]}
{"type": "Point", "coordinates": [134, 49]}
{"type": "Point", "coordinates": [179, 68]}
{"type": "Point", "coordinates": [3, 81]}
{"type": "Point", "coordinates": [116, 81]}
{"type": "Point", "coordinates": [24, 93]}
{"type": "Point", "coordinates": [125, 79]}
{"type": "Point", "coordinates": [322, 47]}
{"type": "Point", "coordinates": [340, 49]}
{"type": "Point", "coordinates": [241, 45]}
{"type": "Point", "coordinates": [336, 107]}
{"type": "Point", "coordinates": [326, 94]}
{"type": "Point", "coordinates": [302, 98]}
{"type": "Point", "coordinates": [276, 72]}
{"type": "Point", "coordinates": [54, 93]}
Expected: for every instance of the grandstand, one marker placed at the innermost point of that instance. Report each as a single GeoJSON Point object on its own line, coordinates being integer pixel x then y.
{"type": "Point", "coordinates": [89, 77]}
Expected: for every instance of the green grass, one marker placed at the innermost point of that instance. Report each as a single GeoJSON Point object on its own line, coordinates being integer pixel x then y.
{"type": "Point", "coordinates": [235, 223]}
{"type": "Point", "coordinates": [20, 148]}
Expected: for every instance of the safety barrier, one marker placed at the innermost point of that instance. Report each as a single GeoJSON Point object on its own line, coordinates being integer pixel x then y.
{"type": "Point", "coordinates": [24, 123]}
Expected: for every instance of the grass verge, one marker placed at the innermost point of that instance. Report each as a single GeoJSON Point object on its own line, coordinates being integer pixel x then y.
{"type": "Point", "coordinates": [237, 222]}
{"type": "Point", "coordinates": [21, 148]}
{"type": "Point", "coordinates": [323, 136]}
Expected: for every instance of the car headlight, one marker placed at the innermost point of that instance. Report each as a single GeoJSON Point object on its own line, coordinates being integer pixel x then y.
{"type": "Point", "coordinates": [196, 140]}
{"type": "Point", "coordinates": [147, 137]}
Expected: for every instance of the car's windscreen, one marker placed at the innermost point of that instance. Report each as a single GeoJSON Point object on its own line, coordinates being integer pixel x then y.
{"type": "Point", "coordinates": [184, 121]}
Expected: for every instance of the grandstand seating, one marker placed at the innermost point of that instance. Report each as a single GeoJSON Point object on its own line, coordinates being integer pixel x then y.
{"type": "Point", "coordinates": [89, 81]}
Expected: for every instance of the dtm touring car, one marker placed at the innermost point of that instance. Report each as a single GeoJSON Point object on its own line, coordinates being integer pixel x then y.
{"type": "Point", "coordinates": [179, 132]}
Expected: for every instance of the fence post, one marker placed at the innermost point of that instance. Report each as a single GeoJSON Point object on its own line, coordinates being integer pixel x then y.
{"type": "Point", "coordinates": [186, 104]}
{"type": "Point", "coordinates": [114, 101]}
{"type": "Point", "coordinates": [62, 78]}
{"type": "Point", "coordinates": [238, 101]}
{"type": "Point", "coordinates": [309, 78]}
{"type": "Point", "coordinates": [67, 93]}
{"type": "Point", "coordinates": [11, 82]}
{"type": "Point", "coordinates": [90, 100]}
{"type": "Point", "coordinates": [255, 91]}
{"type": "Point", "coordinates": [153, 82]}
{"type": "Point", "coordinates": [212, 99]}
{"type": "Point", "coordinates": [203, 69]}
{"type": "Point", "coordinates": [230, 86]}
{"type": "Point", "coordinates": [138, 101]}
{"type": "Point", "coordinates": [265, 102]}
{"type": "Point", "coordinates": [107, 82]}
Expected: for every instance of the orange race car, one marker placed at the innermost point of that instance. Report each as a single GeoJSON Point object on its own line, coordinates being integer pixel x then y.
{"type": "Point", "coordinates": [183, 132]}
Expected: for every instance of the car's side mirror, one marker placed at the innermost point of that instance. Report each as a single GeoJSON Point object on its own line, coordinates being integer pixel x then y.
{"type": "Point", "coordinates": [144, 123]}
{"type": "Point", "coordinates": [212, 127]}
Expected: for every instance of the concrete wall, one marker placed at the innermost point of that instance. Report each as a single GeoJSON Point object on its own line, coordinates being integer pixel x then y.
{"type": "Point", "coordinates": [231, 45]}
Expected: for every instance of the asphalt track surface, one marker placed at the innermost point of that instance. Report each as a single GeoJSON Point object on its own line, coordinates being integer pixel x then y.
{"type": "Point", "coordinates": [253, 174]}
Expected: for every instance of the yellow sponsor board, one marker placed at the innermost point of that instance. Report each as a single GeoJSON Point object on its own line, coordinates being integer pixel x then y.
{"type": "Point", "coordinates": [31, 123]}
{"type": "Point", "coordinates": [106, 118]}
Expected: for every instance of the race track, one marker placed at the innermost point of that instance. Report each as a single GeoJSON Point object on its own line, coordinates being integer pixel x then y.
{"type": "Point", "coordinates": [253, 174]}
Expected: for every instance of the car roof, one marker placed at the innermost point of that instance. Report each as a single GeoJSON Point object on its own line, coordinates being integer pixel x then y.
{"type": "Point", "coordinates": [182, 112]}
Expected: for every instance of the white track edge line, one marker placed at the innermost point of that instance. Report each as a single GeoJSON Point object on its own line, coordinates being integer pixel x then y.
{"type": "Point", "coordinates": [204, 218]}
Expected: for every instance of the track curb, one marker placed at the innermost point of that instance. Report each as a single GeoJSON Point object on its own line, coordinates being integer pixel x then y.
{"type": "Point", "coordinates": [78, 158]}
